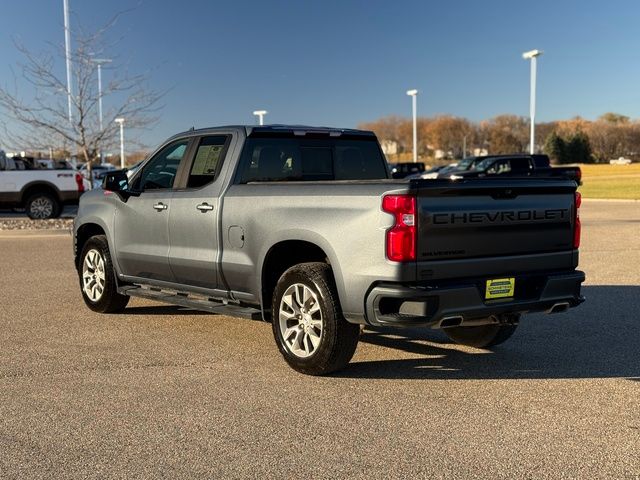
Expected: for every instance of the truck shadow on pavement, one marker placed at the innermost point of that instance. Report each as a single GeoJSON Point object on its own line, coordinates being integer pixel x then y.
{"type": "Point", "coordinates": [599, 339]}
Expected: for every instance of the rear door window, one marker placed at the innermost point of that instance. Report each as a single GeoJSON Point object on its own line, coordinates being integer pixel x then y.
{"type": "Point", "coordinates": [207, 161]}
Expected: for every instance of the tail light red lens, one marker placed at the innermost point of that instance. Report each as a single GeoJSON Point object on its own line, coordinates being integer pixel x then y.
{"type": "Point", "coordinates": [577, 227]}
{"type": "Point", "coordinates": [79, 183]}
{"type": "Point", "coordinates": [401, 237]}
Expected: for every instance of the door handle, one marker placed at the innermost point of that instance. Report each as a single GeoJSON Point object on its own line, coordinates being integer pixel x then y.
{"type": "Point", "coordinates": [204, 207]}
{"type": "Point", "coordinates": [160, 206]}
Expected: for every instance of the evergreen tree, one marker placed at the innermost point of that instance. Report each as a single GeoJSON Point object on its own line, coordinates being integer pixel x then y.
{"type": "Point", "coordinates": [578, 149]}
{"type": "Point", "coordinates": [555, 147]}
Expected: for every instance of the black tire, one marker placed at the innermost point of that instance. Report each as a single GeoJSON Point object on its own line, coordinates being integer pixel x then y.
{"type": "Point", "coordinates": [42, 205]}
{"type": "Point", "coordinates": [110, 300]}
{"type": "Point", "coordinates": [482, 336]}
{"type": "Point", "coordinates": [338, 337]}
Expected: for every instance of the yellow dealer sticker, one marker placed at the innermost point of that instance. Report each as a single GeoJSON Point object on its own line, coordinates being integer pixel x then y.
{"type": "Point", "coordinates": [500, 288]}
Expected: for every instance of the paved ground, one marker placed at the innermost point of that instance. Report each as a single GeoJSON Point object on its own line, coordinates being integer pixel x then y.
{"type": "Point", "coordinates": [162, 391]}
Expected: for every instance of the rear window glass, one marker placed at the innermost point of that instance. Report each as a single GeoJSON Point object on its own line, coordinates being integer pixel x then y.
{"type": "Point", "coordinates": [293, 159]}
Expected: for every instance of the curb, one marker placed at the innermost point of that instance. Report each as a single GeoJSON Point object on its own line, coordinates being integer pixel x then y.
{"type": "Point", "coordinates": [611, 200]}
{"type": "Point", "coordinates": [45, 232]}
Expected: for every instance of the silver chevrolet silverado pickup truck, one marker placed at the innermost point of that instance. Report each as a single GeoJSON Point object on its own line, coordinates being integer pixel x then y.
{"type": "Point", "coordinates": [305, 228]}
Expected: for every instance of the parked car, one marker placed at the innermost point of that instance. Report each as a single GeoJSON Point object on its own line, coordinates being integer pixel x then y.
{"type": "Point", "coordinates": [620, 161]}
{"type": "Point", "coordinates": [304, 227]}
{"type": "Point", "coordinates": [404, 169]}
{"type": "Point", "coordinates": [41, 192]}
{"type": "Point", "coordinates": [520, 165]}
{"type": "Point", "coordinates": [97, 172]}
{"type": "Point", "coordinates": [430, 173]}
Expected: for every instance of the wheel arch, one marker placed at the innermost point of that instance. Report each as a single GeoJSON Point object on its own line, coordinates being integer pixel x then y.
{"type": "Point", "coordinates": [283, 255]}
{"type": "Point", "coordinates": [83, 233]}
{"type": "Point", "coordinates": [39, 186]}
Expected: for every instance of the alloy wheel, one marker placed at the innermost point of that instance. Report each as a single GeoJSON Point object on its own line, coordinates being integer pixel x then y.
{"type": "Point", "coordinates": [300, 319]}
{"type": "Point", "coordinates": [93, 276]}
{"type": "Point", "coordinates": [41, 207]}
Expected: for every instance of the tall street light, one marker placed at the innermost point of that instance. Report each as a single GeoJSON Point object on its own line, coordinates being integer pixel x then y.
{"type": "Point", "coordinates": [260, 114]}
{"type": "Point", "coordinates": [99, 62]}
{"type": "Point", "coordinates": [121, 122]}
{"type": "Point", "coordinates": [414, 94]}
{"type": "Point", "coordinates": [532, 55]}
{"type": "Point", "coordinates": [67, 52]}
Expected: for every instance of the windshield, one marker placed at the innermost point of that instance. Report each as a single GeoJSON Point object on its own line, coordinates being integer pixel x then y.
{"type": "Point", "coordinates": [484, 164]}
{"type": "Point", "coordinates": [465, 163]}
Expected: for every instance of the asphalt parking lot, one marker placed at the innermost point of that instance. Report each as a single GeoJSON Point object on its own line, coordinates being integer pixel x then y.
{"type": "Point", "coordinates": [164, 391]}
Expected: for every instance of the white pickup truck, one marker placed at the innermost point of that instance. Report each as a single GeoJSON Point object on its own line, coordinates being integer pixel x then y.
{"type": "Point", "coordinates": [41, 192]}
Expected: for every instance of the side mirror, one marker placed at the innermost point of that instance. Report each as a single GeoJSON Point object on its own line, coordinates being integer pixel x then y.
{"type": "Point", "coordinates": [117, 181]}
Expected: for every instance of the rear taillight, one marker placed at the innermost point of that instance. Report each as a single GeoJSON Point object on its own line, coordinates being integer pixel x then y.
{"type": "Point", "coordinates": [80, 183]}
{"type": "Point", "coordinates": [401, 237]}
{"type": "Point", "coordinates": [576, 222]}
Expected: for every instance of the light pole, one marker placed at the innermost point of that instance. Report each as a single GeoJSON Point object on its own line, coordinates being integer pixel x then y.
{"type": "Point", "coordinates": [260, 114]}
{"type": "Point", "coordinates": [414, 94]}
{"type": "Point", "coordinates": [100, 62]}
{"type": "Point", "coordinates": [121, 122]}
{"type": "Point", "coordinates": [67, 52]}
{"type": "Point", "coordinates": [532, 55]}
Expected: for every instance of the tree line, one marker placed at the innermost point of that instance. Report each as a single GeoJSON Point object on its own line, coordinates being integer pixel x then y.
{"type": "Point", "coordinates": [576, 140]}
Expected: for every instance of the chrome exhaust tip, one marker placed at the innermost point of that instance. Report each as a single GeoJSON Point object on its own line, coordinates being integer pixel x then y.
{"type": "Point", "coordinates": [452, 321]}
{"type": "Point", "coordinates": [559, 308]}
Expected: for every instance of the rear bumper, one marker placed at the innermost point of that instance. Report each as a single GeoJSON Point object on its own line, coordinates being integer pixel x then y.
{"type": "Point", "coordinates": [433, 304]}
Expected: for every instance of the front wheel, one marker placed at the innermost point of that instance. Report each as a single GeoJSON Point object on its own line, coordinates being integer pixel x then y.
{"type": "Point", "coordinates": [482, 336]}
{"type": "Point", "coordinates": [308, 326]}
{"type": "Point", "coordinates": [98, 278]}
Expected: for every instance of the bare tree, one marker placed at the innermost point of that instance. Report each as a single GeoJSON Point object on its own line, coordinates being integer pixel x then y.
{"type": "Point", "coordinates": [506, 134]}
{"type": "Point", "coordinates": [449, 134]}
{"type": "Point", "coordinates": [40, 119]}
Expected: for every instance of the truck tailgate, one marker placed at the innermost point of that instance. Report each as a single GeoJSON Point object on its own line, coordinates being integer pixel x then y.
{"type": "Point", "coordinates": [492, 218]}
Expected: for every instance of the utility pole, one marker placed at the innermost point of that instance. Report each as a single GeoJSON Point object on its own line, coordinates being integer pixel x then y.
{"type": "Point", "coordinates": [99, 62]}
{"type": "Point", "coordinates": [260, 114]}
{"type": "Point", "coordinates": [67, 53]}
{"type": "Point", "coordinates": [533, 56]}
{"type": "Point", "coordinates": [121, 122]}
{"type": "Point", "coordinates": [414, 95]}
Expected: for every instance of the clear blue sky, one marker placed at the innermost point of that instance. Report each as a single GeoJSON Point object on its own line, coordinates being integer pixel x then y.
{"type": "Point", "coordinates": [343, 62]}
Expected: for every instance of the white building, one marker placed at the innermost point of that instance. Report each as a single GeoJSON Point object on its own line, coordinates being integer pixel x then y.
{"type": "Point", "coordinates": [389, 147]}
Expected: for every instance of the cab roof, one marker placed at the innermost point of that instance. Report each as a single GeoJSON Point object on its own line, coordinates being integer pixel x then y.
{"type": "Point", "coordinates": [298, 130]}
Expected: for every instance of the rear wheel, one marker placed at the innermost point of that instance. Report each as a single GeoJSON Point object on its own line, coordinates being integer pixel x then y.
{"type": "Point", "coordinates": [482, 336]}
{"type": "Point", "coordinates": [98, 278]}
{"type": "Point", "coordinates": [308, 326]}
{"type": "Point", "coordinates": [40, 206]}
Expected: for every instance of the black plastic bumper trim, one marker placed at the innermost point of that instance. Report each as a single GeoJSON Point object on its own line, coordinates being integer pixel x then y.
{"type": "Point", "coordinates": [464, 299]}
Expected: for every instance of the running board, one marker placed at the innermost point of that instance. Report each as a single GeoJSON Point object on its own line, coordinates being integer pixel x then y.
{"type": "Point", "coordinates": [184, 299]}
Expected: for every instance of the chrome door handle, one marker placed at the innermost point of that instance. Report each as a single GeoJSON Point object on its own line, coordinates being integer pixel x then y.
{"type": "Point", "coordinates": [160, 206]}
{"type": "Point", "coordinates": [204, 207]}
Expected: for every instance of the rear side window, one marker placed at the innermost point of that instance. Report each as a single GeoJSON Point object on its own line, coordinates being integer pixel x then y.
{"type": "Point", "coordinates": [301, 159]}
{"type": "Point", "coordinates": [206, 163]}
